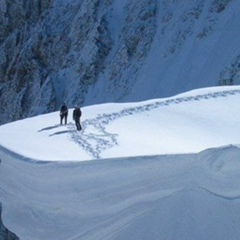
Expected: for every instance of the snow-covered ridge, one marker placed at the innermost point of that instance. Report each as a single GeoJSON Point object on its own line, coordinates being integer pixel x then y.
{"type": "Point", "coordinates": [195, 121]}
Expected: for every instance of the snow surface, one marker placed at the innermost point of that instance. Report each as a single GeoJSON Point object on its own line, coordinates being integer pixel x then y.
{"type": "Point", "coordinates": [159, 169]}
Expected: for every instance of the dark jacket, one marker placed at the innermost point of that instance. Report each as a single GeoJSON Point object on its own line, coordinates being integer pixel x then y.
{"type": "Point", "coordinates": [64, 110]}
{"type": "Point", "coordinates": [77, 113]}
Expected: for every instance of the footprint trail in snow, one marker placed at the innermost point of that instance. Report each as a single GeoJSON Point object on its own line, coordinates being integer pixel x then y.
{"type": "Point", "coordinates": [94, 138]}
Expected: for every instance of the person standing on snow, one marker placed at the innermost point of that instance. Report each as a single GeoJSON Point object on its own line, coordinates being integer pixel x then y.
{"type": "Point", "coordinates": [63, 113]}
{"type": "Point", "coordinates": [77, 113]}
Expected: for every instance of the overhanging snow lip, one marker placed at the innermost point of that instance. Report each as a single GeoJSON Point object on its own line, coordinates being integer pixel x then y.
{"type": "Point", "coordinates": [16, 156]}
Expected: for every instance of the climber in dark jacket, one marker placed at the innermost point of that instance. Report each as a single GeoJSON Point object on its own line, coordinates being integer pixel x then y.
{"type": "Point", "coordinates": [77, 113]}
{"type": "Point", "coordinates": [63, 113]}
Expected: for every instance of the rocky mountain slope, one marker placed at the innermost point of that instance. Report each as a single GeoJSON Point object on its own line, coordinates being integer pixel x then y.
{"type": "Point", "coordinates": [93, 51]}
{"type": "Point", "coordinates": [5, 234]}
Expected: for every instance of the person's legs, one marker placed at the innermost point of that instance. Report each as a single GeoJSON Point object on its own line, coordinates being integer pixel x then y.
{"type": "Point", "coordinates": [78, 125]}
{"type": "Point", "coordinates": [65, 118]}
{"type": "Point", "coordinates": [61, 119]}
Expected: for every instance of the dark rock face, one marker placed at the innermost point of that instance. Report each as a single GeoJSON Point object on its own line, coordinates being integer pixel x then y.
{"type": "Point", "coordinates": [43, 42]}
{"type": "Point", "coordinates": [53, 51]}
{"type": "Point", "coordinates": [5, 234]}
